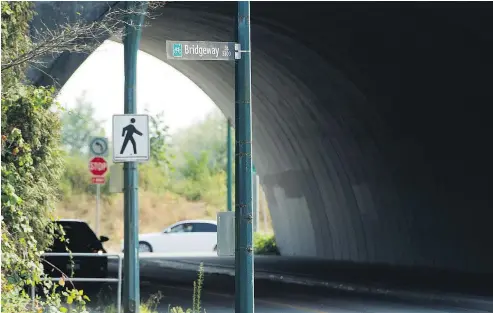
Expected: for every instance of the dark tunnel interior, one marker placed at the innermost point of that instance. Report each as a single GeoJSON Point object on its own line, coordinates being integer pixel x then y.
{"type": "Point", "coordinates": [372, 132]}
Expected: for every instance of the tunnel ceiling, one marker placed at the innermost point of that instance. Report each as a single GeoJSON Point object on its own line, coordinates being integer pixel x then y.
{"type": "Point", "coordinates": [372, 132]}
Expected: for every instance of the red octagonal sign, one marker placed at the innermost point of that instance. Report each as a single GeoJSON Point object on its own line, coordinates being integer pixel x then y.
{"type": "Point", "coordinates": [98, 166]}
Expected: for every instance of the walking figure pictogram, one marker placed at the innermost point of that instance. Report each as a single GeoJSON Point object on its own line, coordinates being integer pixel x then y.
{"type": "Point", "coordinates": [130, 130]}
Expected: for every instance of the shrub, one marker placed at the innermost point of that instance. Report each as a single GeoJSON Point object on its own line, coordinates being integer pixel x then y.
{"type": "Point", "coordinates": [31, 168]}
{"type": "Point", "coordinates": [265, 244]}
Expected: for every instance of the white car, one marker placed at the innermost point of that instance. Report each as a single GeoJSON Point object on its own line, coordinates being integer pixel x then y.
{"type": "Point", "coordinates": [188, 236]}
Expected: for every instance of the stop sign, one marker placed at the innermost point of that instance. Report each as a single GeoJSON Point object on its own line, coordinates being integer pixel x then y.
{"type": "Point", "coordinates": [98, 166]}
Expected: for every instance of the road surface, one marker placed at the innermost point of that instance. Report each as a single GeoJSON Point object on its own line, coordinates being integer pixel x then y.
{"type": "Point", "coordinates": [278, 300]}
{"type": "Point", "coordinates": [319, 272]}
{"type": "Point", "coordinates": [173, 276]}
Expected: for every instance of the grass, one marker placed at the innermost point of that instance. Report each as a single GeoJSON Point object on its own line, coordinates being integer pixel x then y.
{"type": "Point", "coordinates": [150, 306]}
{"type": "Point", "coordinates": [265, 244]}
{"type": "Point", "coordinates": [156, 212]}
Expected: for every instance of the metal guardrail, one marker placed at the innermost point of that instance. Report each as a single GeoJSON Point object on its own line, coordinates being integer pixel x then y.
{"type": "Point", "coordinates": [118, 280]}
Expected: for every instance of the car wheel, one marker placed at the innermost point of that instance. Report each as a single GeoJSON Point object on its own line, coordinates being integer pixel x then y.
{"type": "Point", "coordinates": [144, 247]}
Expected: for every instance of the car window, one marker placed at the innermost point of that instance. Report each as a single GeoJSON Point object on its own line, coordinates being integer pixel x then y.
{"type": "Point", "coordinates": [204, 228]}
{"type": "Point", "coordinates": [79, 237]}
{"type": "Point", "coordinates": [182, 228]}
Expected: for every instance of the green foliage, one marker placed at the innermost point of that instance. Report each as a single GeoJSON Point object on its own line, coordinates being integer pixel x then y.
{"type": "Point", "coordinates": [196, 168]}
{"type": "Point", "coordinates": [208, 135]}
{"type": "Point", "coordinates": [31, 168]}
{"type": "Point", "coordinates": [16, 16]}
{"type": "Point", "coordinates": [76, 178]}
{"type": "Point", "coordinates": [150, 306]}
{"type": "Point", "coordinates": [31, 162]}
{"type": "Point", "coordinates": [160, 154]}
{"type": "Point", "coordinates": [79, 125]}
{"type": "Point", "coordinates": [197, 177]}
{"type": "Point", "coordinates": [201, 155]}
{"type": "Point", "coordinates": [197, 295]}
{"type": "Point", "coordinates": [265, 244]}
{"type": "Point", "coordinates": [154, 175]}
{"type": "Point", "coordinates": [152, 178]}
{"type": "Point", "coordinates": [197, 290]}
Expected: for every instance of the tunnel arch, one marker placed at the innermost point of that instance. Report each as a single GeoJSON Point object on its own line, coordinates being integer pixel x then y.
{"type": "Point", "coordinates": [371, 123]}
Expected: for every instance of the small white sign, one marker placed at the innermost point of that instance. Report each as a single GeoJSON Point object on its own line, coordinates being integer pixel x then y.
{"type": "Point", "coordinates": [131, 138]}
{"type": "Point", "coordinates": [116, 178]}
{"type": "Point", "coordinates": [226, 233]}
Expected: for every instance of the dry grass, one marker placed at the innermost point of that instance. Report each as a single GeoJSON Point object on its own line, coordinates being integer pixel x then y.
{"type": "Point", "coordinates": [157, 211]}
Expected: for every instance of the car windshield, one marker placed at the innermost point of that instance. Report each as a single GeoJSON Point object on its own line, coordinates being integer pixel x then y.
{"type": "Point", "coordinates": [78, 237]}
{"type": "Point", "coordinates": [182, 228]}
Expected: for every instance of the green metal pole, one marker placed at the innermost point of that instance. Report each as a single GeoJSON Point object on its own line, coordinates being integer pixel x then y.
{"type": "Point", "coordinates": [131, 287]}
{"type": "Point", "coordinates": [243, 166]}
{"type": "Point", "coordinates": [230, 168]}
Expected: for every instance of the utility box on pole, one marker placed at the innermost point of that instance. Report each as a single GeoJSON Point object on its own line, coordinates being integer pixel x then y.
{"type": "Point", "coordinates": [226, 233]}
{"type": "Point", "coordinates": [116, 178]}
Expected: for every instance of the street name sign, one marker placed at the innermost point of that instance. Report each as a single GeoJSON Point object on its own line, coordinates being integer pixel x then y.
{"type": "Point", "coordinates": [201, 50]}
{"type": "Point", "coordinates": [99, 146]}
{"type": "Point", "coordinates": [131, 138]}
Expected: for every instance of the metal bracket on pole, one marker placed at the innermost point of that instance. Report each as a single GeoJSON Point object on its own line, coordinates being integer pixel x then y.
{"type": "Point", "coordinates": [98, 207]}
{"type": "Point", "coordinates": [238, 51]}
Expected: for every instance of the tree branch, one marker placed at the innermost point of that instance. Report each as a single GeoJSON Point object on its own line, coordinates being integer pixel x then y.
{"type": "Point", "coordinates": [78, 36]}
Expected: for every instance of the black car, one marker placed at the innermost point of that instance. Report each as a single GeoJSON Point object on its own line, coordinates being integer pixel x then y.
{"type": "Point", "coordinates": [78, 238]}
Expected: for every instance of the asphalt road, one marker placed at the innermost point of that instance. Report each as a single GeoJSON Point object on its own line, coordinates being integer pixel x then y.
{"type": "Point", "coordinates": [319, 272]}
{"type": "Point", "coordinates": [278, 300]}
{"type": "Point", "coordinates": [288, 285]}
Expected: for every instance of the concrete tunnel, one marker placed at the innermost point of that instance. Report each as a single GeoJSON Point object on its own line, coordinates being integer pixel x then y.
{"type": "Point", "coordinates": [372, 125]}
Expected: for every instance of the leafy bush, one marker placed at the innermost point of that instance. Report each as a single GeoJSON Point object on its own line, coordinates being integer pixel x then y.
{"type": "Point", "coordinates": [149, 306]}
{"type": "Point", "coordinates": [153, 177]}
{"type": "Point", "coordinates": [31, 168]}
{"type": "Point", "coordinates": [16, 16]}
{"type": "Point", "coordinates": [76, 178]}
{"type": "Point", "coordinates": [265, 244]}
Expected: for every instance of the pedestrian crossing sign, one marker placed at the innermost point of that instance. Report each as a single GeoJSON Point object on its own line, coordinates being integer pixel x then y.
{"type": "Point", "coordinates": [131, 138]}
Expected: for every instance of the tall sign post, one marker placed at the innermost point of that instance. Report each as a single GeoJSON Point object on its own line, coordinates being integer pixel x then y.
{"type": "Point", "coordinates": [238, 51]}
{"type": "Point", "coordinates": [98, 167]}
{"type": "Point", "coordinates": [127, 150]}
{"type": "Point", "coordinates": [243, 189]}
{"type": "Point", "coordinates": [230, 168]}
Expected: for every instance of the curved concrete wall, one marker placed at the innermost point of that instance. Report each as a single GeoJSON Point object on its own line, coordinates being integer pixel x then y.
{"type": "Point", "coordinates": [372, 132]}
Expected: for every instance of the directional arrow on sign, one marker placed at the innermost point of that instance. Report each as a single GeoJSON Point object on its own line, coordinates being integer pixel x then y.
{"type": "Point", "coordinates": [99, 146]}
